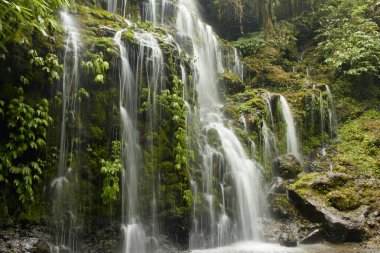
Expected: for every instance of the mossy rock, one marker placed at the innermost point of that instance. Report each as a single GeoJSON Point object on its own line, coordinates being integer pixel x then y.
{"type": "Point", "coordinates": [280, 207]}
{"type": "Point", "coordinates": [344, 200]}
{"type": "Point", "coordinates": [326, 182]}
{"type": "Point", "coordinates": [287, 166]}
{"type": "Point", "coordinates": [231, 83]}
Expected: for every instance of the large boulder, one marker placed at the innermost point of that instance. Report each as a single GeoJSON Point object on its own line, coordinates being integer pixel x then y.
{"type": "Point", "coordinates": [287, 166]}
{"type": "Point", "coordinates": [338, 226]}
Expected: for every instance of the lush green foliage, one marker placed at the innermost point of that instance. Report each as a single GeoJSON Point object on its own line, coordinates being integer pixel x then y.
{"type": "Point", "coordinates": [349, 41]}
{"type": "Point", "coordinates": [50, 65]}
{"type": "Point", "coordinates": [176, 108]}
{"type": "Point", "coordinates": [97, 67]}
{"type": "Point", "coordinates": [359, 147]}
{"type": "Point", "coordinates": [111, 169]}
{"type": "Point", "coordinates": [21, 163]}
{"type": "Point", "coordinates": [21, 18]}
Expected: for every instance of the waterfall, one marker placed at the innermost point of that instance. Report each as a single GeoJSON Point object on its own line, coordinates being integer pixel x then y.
{"type": "Point", "coordinates": [119, 7]}
{"type": "Point", "coordinates": [291, 135]}
{"type": "Point", "coordinates": [270, 146]}
{"type": "Point", "coordinates": [322, 119]}
{"type": "Point", "coordinates": [238, 67]}
{"type": "Point", "coordinates": [134, 235]}
{"type": "Point", "coordinates": [140, 71]}
{"type": "Point", "coordinates": [223, 159]}
{"type": "Point", "coordinates": [64, 185]}
{"type": "Point", "coordinates": [332, 113]}
{"type": "Point", "coordinates": [269, 107]}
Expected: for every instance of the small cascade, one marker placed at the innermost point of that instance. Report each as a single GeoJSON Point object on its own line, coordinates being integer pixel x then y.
{"type": "Point", "coordinates": [291, 135]}
{"type": "Point", "coordinates": [244, 121]}
{"type": "Point", "coordinates": [312, 110]}
{"type": "Point", "coordinates": [224, 221]}
{"type": "Point", "coordinates": [333, 123]}
{"type": "Point", "coordinates": [134, 236]}
{"type": "Point", "coordinates": [67, 226]}
{"type": "Point", "coordinates": [233, 62]}
{"type": "Point", "coordinates": [322, 119]}
{"type": "Point", "coordinates": [238, 67]}
{"type": "Point", "coordinates": [150, 9]}
{"type": "Point", "coordinates": [270, 146]}
{"type": "Point", "coordinates": [267, 99]}
{"type": "Point", "coordinates": [118, 7]}
{"type": "Point", "coordinates": [141, 74]}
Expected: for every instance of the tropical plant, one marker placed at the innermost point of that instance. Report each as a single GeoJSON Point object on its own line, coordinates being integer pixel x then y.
{"type": "Point", "coordinates": [349, 41]}
{"type": "Point", "coordinates": [21, 18]}
{"type": "Point", "coordinates": [21, 161]}
{"type": "Point", "coordinates": [111, 170]}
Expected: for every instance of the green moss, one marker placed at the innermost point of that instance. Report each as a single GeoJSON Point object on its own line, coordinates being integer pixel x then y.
{"type": "Point", "coordinates": [358, 147]}
{"type": "Point", "coordinates": [344, 199]}
{"type": "Point", "coordinates": [231, 83]}
{"type": "Point", "coordinates": [128, 35]}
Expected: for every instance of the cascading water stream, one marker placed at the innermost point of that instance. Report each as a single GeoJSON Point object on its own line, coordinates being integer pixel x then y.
{"type": "Point", "coordinates": [332, 113]}
{"type": "Point", "coordinates": [117, 6]}
{"type": "Point", "coordinates": [134, 235]}
{"type": "Point", "coordinates": [141, 74]}
{"type": "Point", "coordinates": [227, 159]}
{"type": "Point", "coordinates": [291, 135]}
{"type": "Point", "coordinates": [64, 209]}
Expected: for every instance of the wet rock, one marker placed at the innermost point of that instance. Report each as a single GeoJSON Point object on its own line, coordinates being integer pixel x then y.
{"type": "Point", "coordinates": [313, 237]}
{"type": "Point", "coordinates": [338, 226]}
{"type": "Point", "coordinates": [42, 246]}
{"type": "Point", "coordinates": [279, 207]}
{"type": "Point", "coordinates": [287, 166]}
{"type": "Point", "coordinates": [287, 239]}
{"type": "Point", "coordinates": [278, 186]}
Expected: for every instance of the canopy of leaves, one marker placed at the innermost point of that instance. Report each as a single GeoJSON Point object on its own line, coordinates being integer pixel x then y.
{"type": "Point", "coordinates": [349, 40]}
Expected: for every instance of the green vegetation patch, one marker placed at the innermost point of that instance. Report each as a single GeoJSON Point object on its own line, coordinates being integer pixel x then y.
{"type": "Point", "coordinates": [359, 145]}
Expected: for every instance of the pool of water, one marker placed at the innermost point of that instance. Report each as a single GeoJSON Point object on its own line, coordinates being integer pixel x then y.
{"type": "Point", "coordinates": [261, 247]}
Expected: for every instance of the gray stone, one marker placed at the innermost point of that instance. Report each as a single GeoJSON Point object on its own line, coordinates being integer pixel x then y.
{"type": "Point", "coordinates": [287, 166]}
{"type": "Point", "coordinates": [315, 236]}
{"type": "Point", "coordinates": [287, 239]}
{"type": "Point", "coordinates": [338, 226]}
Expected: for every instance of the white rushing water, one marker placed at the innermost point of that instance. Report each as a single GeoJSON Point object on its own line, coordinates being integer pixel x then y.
{"type": "Point", "coordinates": [291, 135]}
{"type": "Point", "coordinates": [64, 211]}
{"type": "Point", "coordinates": [333, 123]}
{"type": "Point", "coordinates": [222, 153]}
{"type": "Point", "coordinates": [142, 68]}
{"type": "Point", "coordinates": [134, 235]}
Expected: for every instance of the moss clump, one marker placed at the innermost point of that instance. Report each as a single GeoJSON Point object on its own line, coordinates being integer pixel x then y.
{"type": "Point", "coordinates": [281, 208]}
{"type": "Point", "coordinates": [359, 145]}
{"type": "Point", "coordinates": [128, 35]}
{"type": "Point", "coordinates": [231, 83]}
{"type": "Point", "coordinates": [344, 200]}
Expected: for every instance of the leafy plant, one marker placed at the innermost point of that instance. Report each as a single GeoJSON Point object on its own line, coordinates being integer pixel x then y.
{"type": "Point", "coordinates": [175, 106]}
{"type": "Point", "coordinates": [50, 65]}
{"type": "Point", "coordinates": [21, 18]}
{"type": "Point", "coordinates": [20, 163]}
{"type": "Point", "coordinates": [111, 169]}
{"type": "Point", "coordinates": [97, 67]}
{"type": "Point", "coordinates": [349, 41]}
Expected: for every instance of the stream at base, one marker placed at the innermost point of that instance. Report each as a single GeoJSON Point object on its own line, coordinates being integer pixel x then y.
{"type": "Point", "coordinates": [262, 247]}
